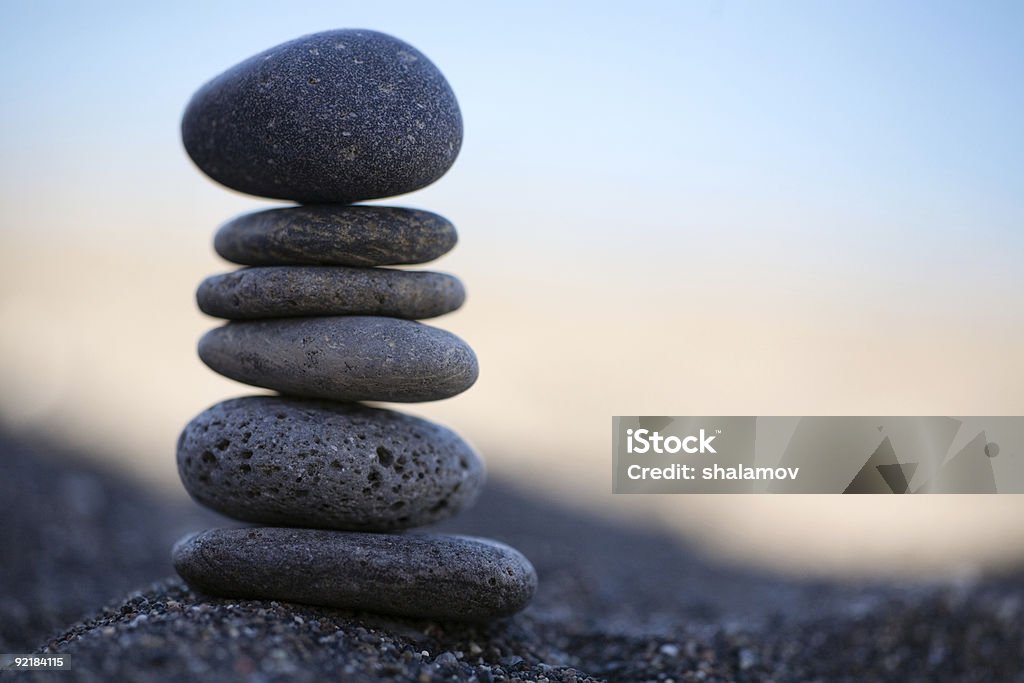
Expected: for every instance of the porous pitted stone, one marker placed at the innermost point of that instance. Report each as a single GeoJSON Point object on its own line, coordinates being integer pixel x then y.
{"type": "Point", "coordinates": [294, 462]}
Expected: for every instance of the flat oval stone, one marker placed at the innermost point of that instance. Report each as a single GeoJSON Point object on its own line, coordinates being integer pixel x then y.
{"type": "Point", "coordinates": [348, 358]}
{"type": "Point", "coordinates": [430, 576]}
{"type": "Point", "coordinates": [295, 462]}
{"type": "Point", "coordinates": [335, 236]}
{"type": "Point", "coordinates": [338, 116]}
{"type": "Point", "coordinates": [289, 291]}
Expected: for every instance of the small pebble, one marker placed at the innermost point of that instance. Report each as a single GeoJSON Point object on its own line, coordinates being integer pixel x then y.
{"type": "Point", "coordinates": [446, 659]}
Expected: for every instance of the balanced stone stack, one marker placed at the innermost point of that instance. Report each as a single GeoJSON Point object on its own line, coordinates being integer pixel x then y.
{"type": "Point", "coordinates": [327, 120]}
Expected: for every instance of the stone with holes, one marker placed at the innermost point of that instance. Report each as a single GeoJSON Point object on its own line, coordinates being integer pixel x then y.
{"type": "Point", "coordinates": [285, 461]}
{"type": "Point", "coordinates": [416, 575]}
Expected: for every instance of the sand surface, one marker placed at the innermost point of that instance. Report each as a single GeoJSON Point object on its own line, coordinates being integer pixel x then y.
{"type": "Point", "coordinates": [86, 572]}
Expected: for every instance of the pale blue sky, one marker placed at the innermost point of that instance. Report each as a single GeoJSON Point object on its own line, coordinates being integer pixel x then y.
{"type": "Point", "coordinates": [836, 130]}
{"type": "Point", "coordinates": [767, 207]}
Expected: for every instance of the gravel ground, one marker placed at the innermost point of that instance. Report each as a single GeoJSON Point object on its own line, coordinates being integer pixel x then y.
{"type": "Point", "coordinates": [615, 603]}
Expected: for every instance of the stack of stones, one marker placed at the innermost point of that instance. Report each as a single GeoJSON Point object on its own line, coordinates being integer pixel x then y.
{"type": "Point", "coordinates": [327, 120]}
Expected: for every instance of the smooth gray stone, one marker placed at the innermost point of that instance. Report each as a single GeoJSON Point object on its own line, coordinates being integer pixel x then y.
{"type": "Point", "coordinates": [431, 576]}
{"type": "Point", "coordinates": [346, 358]}
{"type": "Point", "coordinates": [296, 462]}
{"type": "Point", "coordinates": [335, 236]}
{"type": "Point", "coordinates": [290, 291]}
{"type": "Point", "coordinates": [338, 116]}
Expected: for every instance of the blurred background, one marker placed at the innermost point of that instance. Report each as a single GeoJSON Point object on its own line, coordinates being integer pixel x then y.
{"type": "Point", "coordinates": [701, 208]}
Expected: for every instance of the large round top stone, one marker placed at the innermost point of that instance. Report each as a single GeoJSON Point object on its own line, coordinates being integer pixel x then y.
{"type": "Point", "coordinates": [332, 117]}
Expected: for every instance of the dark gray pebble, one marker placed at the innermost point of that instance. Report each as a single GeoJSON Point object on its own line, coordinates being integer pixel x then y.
{"type": "Point", "coordinates": [295, 462]}
{"type": "Point", "coordinates": [335, 236]}
{"type": "Point", "coordinates": [432, 576]}
{"type": "Point", "coordinates": [346, 358]}
{"type": "Point", "coordinates": [290, 291]}
{"type": "Point", "coordinates": [338, 116]}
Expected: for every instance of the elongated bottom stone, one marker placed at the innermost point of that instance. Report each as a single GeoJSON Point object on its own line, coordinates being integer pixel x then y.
{"type": "Point", "coordinates": [426, 575]}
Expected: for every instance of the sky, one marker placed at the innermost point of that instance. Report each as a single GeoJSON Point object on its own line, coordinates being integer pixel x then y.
{"type": "Point", "coordinates": [791, 208]}
{"type": "Point", "coordinates": [633, 123]}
